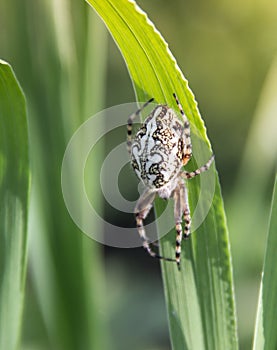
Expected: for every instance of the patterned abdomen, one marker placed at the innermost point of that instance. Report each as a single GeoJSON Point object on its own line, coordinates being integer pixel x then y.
{"type": "Point", "coordinates": [157, 149]}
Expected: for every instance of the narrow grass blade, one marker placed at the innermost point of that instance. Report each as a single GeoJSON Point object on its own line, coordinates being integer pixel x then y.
{"type": "Point", "coordinates": [14, 187]}
{"type": "Point", "coordinates": [250, 202]}
{"type": "Point", "coordinates": [200, 299]}
{"type": "Point", "coordinates": [252, 191]}
{"type": "Point", "coordinates": [265, 333]}
{"type": "Point", "coordinates": [66, 267]}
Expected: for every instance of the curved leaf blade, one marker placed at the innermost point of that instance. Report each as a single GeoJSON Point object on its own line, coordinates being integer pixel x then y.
{"type": "Point", "coordinates": [265, 333]}
{"type": "Point", "coordinates": [200, 299]}
{"type": "Point", "coordinates": [14, 181]}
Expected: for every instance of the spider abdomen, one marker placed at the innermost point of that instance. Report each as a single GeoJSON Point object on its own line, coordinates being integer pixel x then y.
{"type": "Point", "coordinates": [157, 149]}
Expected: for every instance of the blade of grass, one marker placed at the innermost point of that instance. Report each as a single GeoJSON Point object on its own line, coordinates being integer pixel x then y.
{"type": "Point", "coordinates": [265, 336]}
{"type": "Point", "coordinates": [94, 92]}
{"type": "Point", "coordinates": [200, 299]}
{"type": "Point", "coordinates": [66, 267]}
{"type": "Point", "coordinates": [250, 202]}
{"type": "Point", "coordinates": [252, 191]}
{"type": "Point", "coordinates": [14, 181]}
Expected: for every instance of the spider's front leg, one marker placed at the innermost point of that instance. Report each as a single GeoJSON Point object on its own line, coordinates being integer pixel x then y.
{"type": "Point", "coordinates": [142, 209]}
{"type": "Point", "coordinates": [181, 208]}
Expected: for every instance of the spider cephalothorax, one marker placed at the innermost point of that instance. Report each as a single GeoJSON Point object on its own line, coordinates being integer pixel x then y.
{"type": "Point", "coordinates": [159, 150]}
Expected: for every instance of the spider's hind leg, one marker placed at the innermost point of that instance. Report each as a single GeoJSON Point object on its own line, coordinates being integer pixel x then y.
{"type": "Point", "coordinates": [130, 122]}
{"type": "Point", "coordinates": [205, 167]}
{"type": "Point", "coordinates": [187, 151]}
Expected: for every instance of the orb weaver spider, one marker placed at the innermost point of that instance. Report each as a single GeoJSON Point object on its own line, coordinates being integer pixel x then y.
{"type": "Point", "coordinates": [159, 150]}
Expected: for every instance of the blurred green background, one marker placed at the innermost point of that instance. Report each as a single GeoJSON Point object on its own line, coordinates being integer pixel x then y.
{"type": "Point", "coordinates": [81, 295]}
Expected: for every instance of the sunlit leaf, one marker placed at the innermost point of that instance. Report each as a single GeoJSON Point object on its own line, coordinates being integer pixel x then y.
{"type": "Point", "coordinates": [265, 334]}
{"type": "Point", "coordinates": [14, 187]}
{"type": "Point", "coordinates": [200, 298]}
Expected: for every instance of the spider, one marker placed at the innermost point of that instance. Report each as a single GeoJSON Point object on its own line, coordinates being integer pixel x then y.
{"type": "Point", "coordinates": [159, 150]}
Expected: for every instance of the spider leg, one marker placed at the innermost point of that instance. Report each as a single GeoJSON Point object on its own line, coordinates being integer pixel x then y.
{"type": "Point", "coordinates": [205, 167]}
{"type": "Point", "coordinates": [186, 212]}
{"type": "Point", "coordinates": [186, 133]}
{"type": "Point", "coordinates": [142, 209]}
{"type": "Point", "coordinates": [181, 207]}
{"type": "Point", "coordinates": [130, 122]}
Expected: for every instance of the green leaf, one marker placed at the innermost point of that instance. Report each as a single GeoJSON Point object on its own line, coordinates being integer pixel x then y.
{"type": "Point", "coordinates": [14, 181]}
{"type": "Point", "coordinates": [200, 298]}
{"type": "Point", "coordinates": [265, 333]}
{"type": "Point", "coordinates": [66, 267]}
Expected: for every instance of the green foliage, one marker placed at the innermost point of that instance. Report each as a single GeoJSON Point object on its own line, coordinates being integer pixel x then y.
{"type": "Point", "coordinates": [14, 190]}
{"type": "Point", "coordinates": [200, 299]}
{"type": "Point", "coordinates": [249, 203]}
{"type": "Point", "coordinates": [265, 334]}
{"type": "Point", "coordinates": [65, 304]}
{"type": "Point", "coordinates": [60, 54]}
{"type": "Point", "coordinates": [65, 265]}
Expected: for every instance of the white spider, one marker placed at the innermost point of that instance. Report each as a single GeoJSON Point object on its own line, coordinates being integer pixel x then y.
{"type": "Point", "coordinates": [160, 149]}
